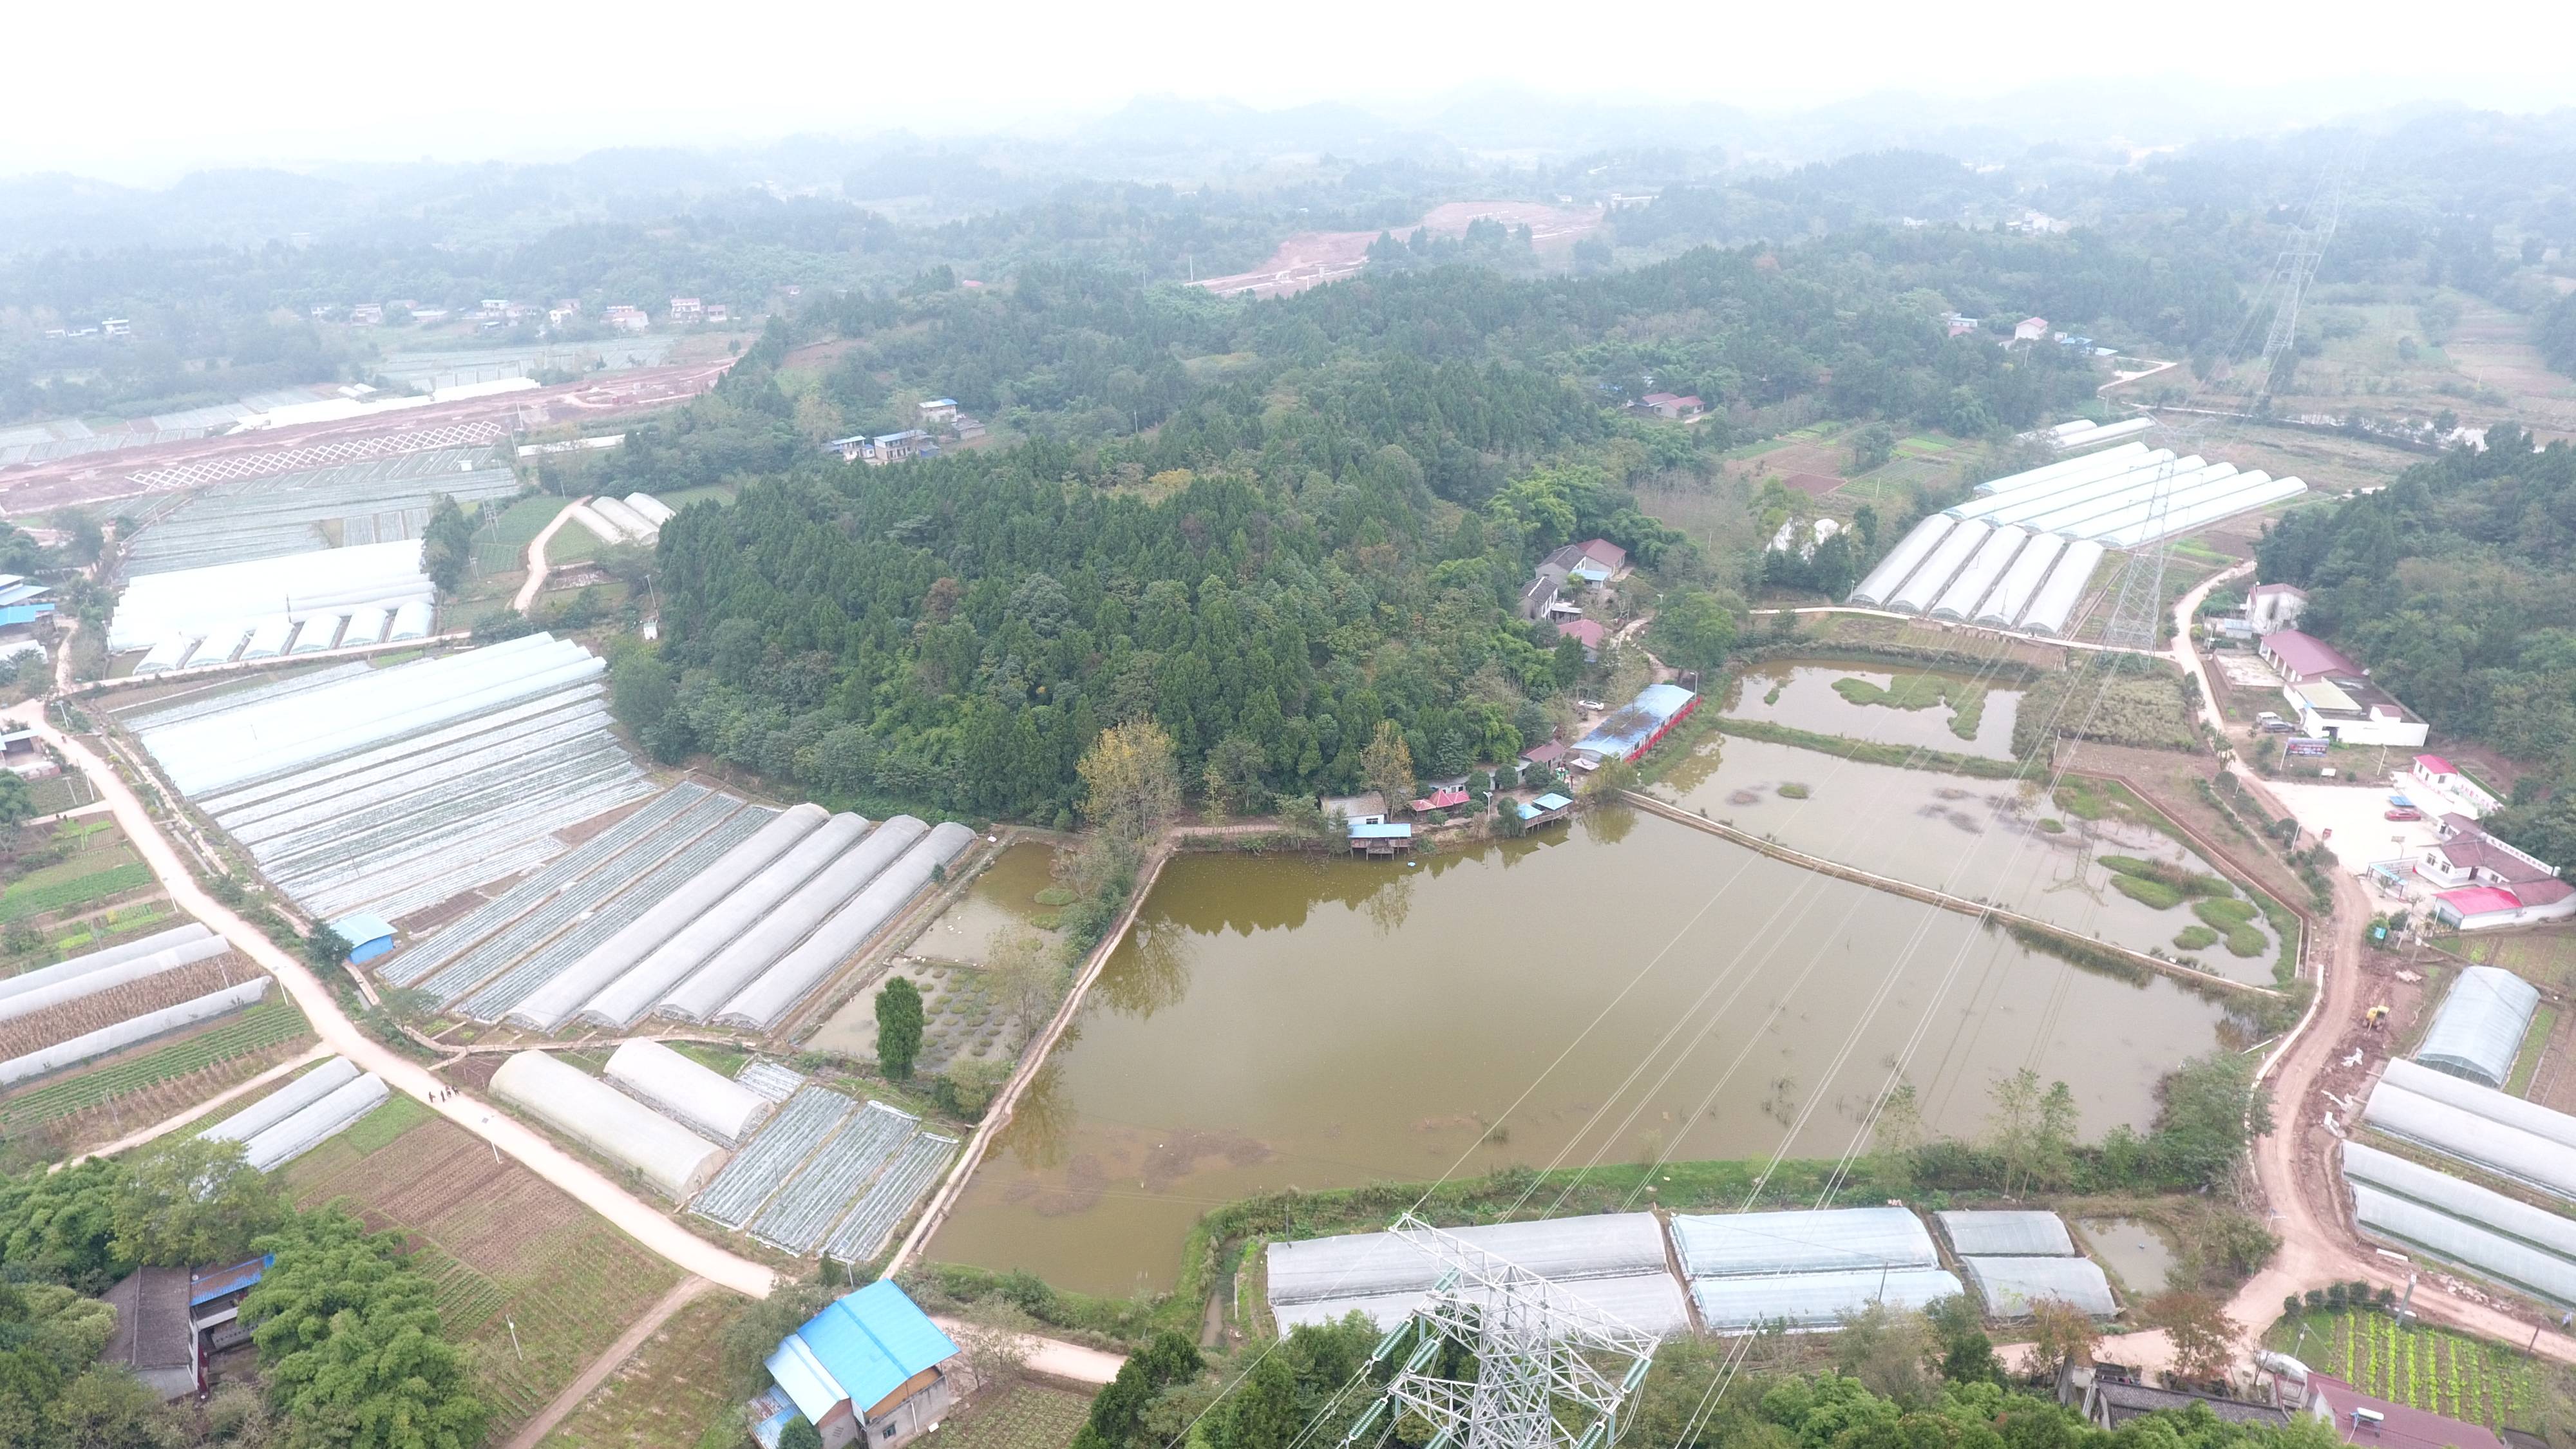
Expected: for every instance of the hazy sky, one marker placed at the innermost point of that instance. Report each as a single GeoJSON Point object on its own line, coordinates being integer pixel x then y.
{"type": "Point", "coordinates": [144, 92]}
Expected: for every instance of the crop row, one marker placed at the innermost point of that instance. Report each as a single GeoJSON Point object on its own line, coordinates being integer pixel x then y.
{"type": "Point", "coordinates": [21, 901]}
{"type": "Point", "coordinates": [263, 1025]}
{"type": "Point", "coordinates": [2429, 1369]}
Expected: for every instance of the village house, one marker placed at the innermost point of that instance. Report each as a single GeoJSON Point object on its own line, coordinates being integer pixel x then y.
{"type": "Point", "coordinates": [2302, 657]}
{"type": "Point", "coordinates": [2482, 882]}
{"type": "Point", "coordinates": [1666, 405]}
{"type": "Point", "coordinates": [2270, 608]}
{"type": "Point", "coordinates": [1591, 562]}
{"type": "Point", "coordinates": [2030, 329]}
{"type": "Point", "coordinates": [870, 1369]}
{"type": "Point", "coordinates": [687, 311]}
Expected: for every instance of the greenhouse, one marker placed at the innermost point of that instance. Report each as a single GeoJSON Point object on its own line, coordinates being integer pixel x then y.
{"type": "Point", "coordinates": [1815, 1300]}
{"type": "Point", "coordinates": [2477, 1125]}
{"type": "Point", "coordinates": [1901, 561]}
{"type": "Point", "coordinates": [2459, 1199]}
{"type": "Point", "coordinates": [750, 952]}
{"type": "Point", "coordinates": [2054, 605]}
{"type": "Point", "coordinates": [376, 500]}
{"type": "Point", "coordinates": [2067, 472]}
{"type": "Point", "coordinates": [673, 1159]}
{"type": "Point", "coordinates": [2479, 1030]}
{"type": "Point", "coordinates": [134, 1029]}
{"type": "Point", "coordinates": [285, 1102]}
{"type": "Point", "coordinates": [37, 981]}
{"type": "Point", "coordinates": [690, 1091]}
{"type": "Point", "coordinates": [316, 1123]}
{"type": "Point", "coordinates": [1819, 1240]}
{"type": "Point", "coordinates": [2468, 1244]}
{"type": "Point", "coordinates": [2006, 1234]}
{"type": "Point", "coordinates": [2010, 1286]}
{"type": "Point", "coordinates": [778, 990]}
{"type": "Point", "coordinates": [897, 1190]}
{"type": "Point", "coordinates": [1649, 1302]}
{"type": "Point", "coordinates": [804, 1123]}
{"type": "Point", "coordinates": [1918, 591]}
{"type": "Point", "coordinates": [219, 604]}
{"type": "Point", "coordinates": [113, 975]}
{"type": "Point", "coordinates": [1374, 1265]}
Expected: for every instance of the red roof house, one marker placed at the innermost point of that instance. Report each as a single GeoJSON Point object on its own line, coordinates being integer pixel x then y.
{"type": "Point", "coordinates": [2302, 657]}
{"type": "Point", "coordinates": [1440, 800]}
{"type": "Point", "coordinates": [2381, 1424]}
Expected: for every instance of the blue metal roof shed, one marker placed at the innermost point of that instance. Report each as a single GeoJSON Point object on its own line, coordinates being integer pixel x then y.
{"type": "Point", "coordinates": [859, 1350]}
{"type": "Point", "coordinates": [369, 935]}
{"type": "Point", "coordinates": [1632, 729]}
{"type": "Point", "coordinates": [1381, 832]}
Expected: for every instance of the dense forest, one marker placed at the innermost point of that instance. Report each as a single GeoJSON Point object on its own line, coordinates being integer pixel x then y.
{"type": "Point", "coordinates": [2456, 586]}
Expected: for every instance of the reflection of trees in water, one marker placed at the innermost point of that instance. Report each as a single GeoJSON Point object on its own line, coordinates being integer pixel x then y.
{"type": "Point", "coordinates": [1042, 1124]}
{"type": "Point", "coordinates": [1391, 902]}
{"type": "Point", "coordinates": [1607, 823]}
{"type": "Point", "coordinates": [1150, 972]}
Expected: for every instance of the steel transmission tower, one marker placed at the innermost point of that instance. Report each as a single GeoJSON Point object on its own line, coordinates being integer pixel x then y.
{"type": "Point", "coordinates": [2137, 612]}
{"type": "Point", "coordinates": [1551, 1371]}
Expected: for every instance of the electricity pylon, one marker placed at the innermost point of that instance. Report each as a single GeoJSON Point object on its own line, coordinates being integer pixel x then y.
{"type": "Point", "coordinates": [1550, 1371]}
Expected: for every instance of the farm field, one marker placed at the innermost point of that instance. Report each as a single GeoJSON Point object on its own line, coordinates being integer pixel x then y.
{"type": "Point", "coordinates": [504, 1248]}
{"type": "Point", "coordinates": [39, 1029]}
{"type": "Point", "coordinates": [2545, 957]}
{"type": "Point", "coordinates": [156, 1079]}
{"type": "Point", "coordinates": [1021, 1416]}
{"type": "Point", "coordinates": [668, 1393]}
{"type": "Point", "coordinates": [2423, 1368]}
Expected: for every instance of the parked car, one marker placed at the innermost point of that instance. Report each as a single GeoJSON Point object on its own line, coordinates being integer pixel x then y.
{"type": "Point", "coordinates": [2405, 812]}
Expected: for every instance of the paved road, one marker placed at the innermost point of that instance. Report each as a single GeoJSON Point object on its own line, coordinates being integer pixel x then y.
{"type": "Point", "coordinates": [526, 602]}
{"type": "Point", "coordinates": [645, 1223]}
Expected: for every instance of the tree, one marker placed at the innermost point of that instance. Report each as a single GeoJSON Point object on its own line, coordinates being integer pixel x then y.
{"type": "Point", "coordinates": [1871, 446]}
{"type": "Point", "coordinates": [1886, 1349]}
{"type": "Point", "coordinates": [447, 544]}
{"type": "Point", "coordinates": [1695, 629]}
{"type": "Point", "coordinates": [800, 1433]}
{"type": "Point", "coordinates": [2061, 1334]}
{"type": "Point", "coordinates": [326, 950]}
{"type": "Point", "coordinates": [1967, 1356]}
{"type": "Point", "coordinates": [17, 802]}
{"type": "Point", "coordinates": [1234, 771]}
{"type": "Point", "coordinates": [1386, 766]}
{"type": "Point", "coordinates": [1130, 782]}
{"type": "Point", "coordinates": [2032, 1130]}
{"type": "Point", "coordinates": [2205, 1111]}
{"type": "Point", "coordinates": [899, 1023]}
{"type": "Point", "coordinates": [1024, 983]}
{"type": "Point", "coordinates": [111, 1409]}
{"type": "Point", "coordinates": [1263, 1413]}
{"type": "Point", "coordinates": [2204, 1337]}
{"type": "Point", "coordinates": [350, 1340]}
{"type": "Point", "coordinates": [192, 1200]}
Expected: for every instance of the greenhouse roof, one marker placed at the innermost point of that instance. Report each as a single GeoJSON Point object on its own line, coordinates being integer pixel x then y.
{"type": "Point", "coordinates": [1815, 1300]}
{"type": "Point", "coordinates": [1802, 1241]}
{"type": "Point", "coordinates": [1650, 1302]}
{"type": "Point", "coordinates": [2007, 1234]}
{"type": "Point", "coordinates": [2011, 1285]}
{"type": "Point", "coordinates": [2480, 1027]}
{"type": "Point", "coordinates": [1365, 1265]}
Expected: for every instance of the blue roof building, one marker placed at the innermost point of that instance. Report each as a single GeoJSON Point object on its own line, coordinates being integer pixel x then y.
{"type": "Point", "coordinates": [369, 935]}
{"type": "Point", "coordinates": [1638, 726]}
{"type": "Point", "coordinates": [1550, 806]}
{"type": "Point", "coordinates": [869, 1365]}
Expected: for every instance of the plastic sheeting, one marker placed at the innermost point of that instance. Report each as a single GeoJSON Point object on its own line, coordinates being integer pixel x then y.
{"type": "Point", "coordinates": [1977, 579]}
{"type": "Point", "coordinates": [653, 509]}
{"type": "Point", "coordinates": [134, 1029]}
{"type": "Point", "coordinates": [2003, 608]}
{"type": "Point", "coordinates": [199, 601]}
{"type": "Point", "coordinates": [549, 1005]}
{"type": "Point", "coordinates": [2183, 520]}
{"type": "Point", "coordinates": [2466, 1243]}
{"type": "Point", "coordinates": [890, 1199]}
{"type": "Point", "coordinates": [1901, 561]}
{"type": "Point", "coordinates": [809, 1119]}
{"type": "Point", "coordinates": [797, 973]}
{"type": "Point", "coordinates": [2477, 1125]}
{"type": "Point", "coordinates": [78, 965]}
{"type": "Point", "coordinates": [2022, 505]}
{"type": "Point", "coordinates": [2068, 470]}
{"type": "Point", "coordinates": [1815, 1300]}
{"type": "Point", "coordinates": [2011, 1285]}
{"type": "Point", "coordinates": [285, 1102]}
{"type": "Point", "coordinates": [2007, 1234]}
{"type": "Point", "coordinates": [115, 974]}
{"type": "Point", "coordinates": [1649, 1302]}
{"type": "Point", "coordinates": [742, 960]}
{"type": "Point", "coordinates": [2465, 1200]}
{"type": "Point", "coordinates": [316, 1124]}
{"type": "Point", "coordinates": [2479, 1030]}
{"type": "Point", "coordinates": [1374, 1265]}
{"type": "Point", "coordinates": [694, 1093]}
{"type": "Point", "coordinates": [629, 522]}
{"type": "Point", "coordinates": [2055, 603]}
{"type": "Point", "coordinates": [675, 1160]}
{"type": "Point", "coordinates": [1802, 1241]}
{"type": "Point", "coordinates": [1926, 583]}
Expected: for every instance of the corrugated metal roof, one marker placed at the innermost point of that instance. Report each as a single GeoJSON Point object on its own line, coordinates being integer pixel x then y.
{"type": "Point", "coordinates": [869, 1342]}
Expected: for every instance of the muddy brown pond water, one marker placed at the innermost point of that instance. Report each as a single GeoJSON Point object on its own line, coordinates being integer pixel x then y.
{"type": "Point", "coordinates": [1614, 989]}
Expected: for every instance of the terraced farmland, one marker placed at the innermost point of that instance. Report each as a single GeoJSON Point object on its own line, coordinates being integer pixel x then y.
{"type": "Point", "coordinates": [504, 1248]}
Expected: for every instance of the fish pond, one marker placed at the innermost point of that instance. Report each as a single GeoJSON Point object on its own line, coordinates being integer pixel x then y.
{"type": "Point", "coordinates": [1933, 709]}
{"type": "Point", "coordinates": [1614, 990]}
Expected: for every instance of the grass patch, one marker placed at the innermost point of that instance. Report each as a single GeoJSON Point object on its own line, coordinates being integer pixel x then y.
{"type": "Point", "coordinates": [28, 898]}
{"type": "Point", "coordinates": [398, 1115]}
{"type": "Point", "coordinates": [2189, 882]}
{"type": "Point", "coordinates": [2148, 892]}
{"type": "Point", "coordinates": [724, 1061]}
{"type": "Point", "coordinates": [2426, 1368]}
{"type": "Point", "coordinates": [1870, 752]}
{"type": "Point", "coordinates": [2195, 938]}
{"type": "Point", "coordinates": [2534, 1042]}
{"type": "Point", "coordinates": [1967, 701]}
{"type": "Point", "coordinates": [2226, 915]}
{"type": "Point", "coordinates": [1794, 791]}
{"type": "Point", "coordinates": [2051, 825]}
{"type": "Point", "coordinates": [1055, 896]}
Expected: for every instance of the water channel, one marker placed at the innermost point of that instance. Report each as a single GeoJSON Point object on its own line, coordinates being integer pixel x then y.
{"type": "Point", "coordinates": [1622, 986]}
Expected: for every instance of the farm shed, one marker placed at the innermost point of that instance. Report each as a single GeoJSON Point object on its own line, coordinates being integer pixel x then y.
{"type": "Point", "coordinates": [312, 1125]}
{"type": "Point", "coordinates": [1810, 1241]}
{"type": "Point", "coordinates": [1650, 1302]}
{"type": "Point", "coordinates": [671, 962]}
{"type": "Point", "coordinates": [2479, 1029]}
{"type": "Point", "coordinates": [675, 1160]}
{"type": "Point", "coordinates": [34, 996]}
{"type": "Point", "coordinates": [2006, 1234]}
{"type": "Point", "coordinates": [696, 1094]}
{"type": "Point", "coordinates": [743, 958]}
{"type": "Point", "coordinates": [1814, 1300]}
{"type": "Point", "coordinates": [548, 1006]}
{"type": "Point", "coordinates": [2010, 1286]}
{"type": "Point", "coordinates": [134, 1029]}
{"type": "Point", "coordinates": [2477, 1125]}
{"type": "Point", "coordinates": [369, 936]}
{"type": "Point", "coordinates": [285, 1102]}
{"type": "Point", "coordinates": [760, 1005]}
{"type": "Point", "coordinates": [96, 960]}
{"type": "Point", "coordinates": [1374, 1265]}
{"type": "Point", "coordinates": [1641, 724]}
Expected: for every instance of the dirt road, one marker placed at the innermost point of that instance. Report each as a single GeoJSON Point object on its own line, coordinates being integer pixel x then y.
{"type": "Point", "coordinates": [531, 1433]}
{"type": "Point", "coordinates": [641, 1221]}
{"type": "Point", "coordinates": [1053, 1357]}
{"type": "Point", "coordinates": [526, 602]}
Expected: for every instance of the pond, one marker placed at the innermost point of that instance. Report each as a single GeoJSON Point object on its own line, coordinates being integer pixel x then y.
{"type": "Point", "coordinates": [2133, 1250]}
{"type": "Point", "coordinates": [1804, 694]}
{"type": "Point", "coordinates": [1002, 902]}
{"type": "Point", "coordinates": [1611, 990]}
{"type": "Point", "coordinates": [1985, 839]}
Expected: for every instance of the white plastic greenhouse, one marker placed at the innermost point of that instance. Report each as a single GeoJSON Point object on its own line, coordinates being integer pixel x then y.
{"type": "Point", "coordinates": [740, 961]}
{"type": "Point", "coordinates": [551, 1004]}
{"type": "Point", "coordinates": [2055, 602]}
{"type": "Point", "coordinates": [1821, 1240]}
{"type": "Point", "coordinates": [1901, 561]}
{"type": "Point", "coordinates": [2477, 1125]}
{"type": "Point", "coordinates": [1648, 1302]}
{"type": "Point", "coordinates": [1988, 1234]}
{"type": "Point", "coordinates": [2003, 608]}
{"type": "Point", "coordinates": [321, 583]}
{"type": "Point", "coordinates": [2463, 1200]}
{"type": "Point", "coordinates": [669, 964]}
{"type": "Point", "coordinates": [2468, 1244]}
{"type": "Point", "coordinates": [335, 1112]}
{"type": "Point", "coordinates": [678, 1087]}
{"type": "Point", "coordinates": [1926, 583]}
{"type": "Point", "coordinates": [2480, 1028]}
{"type": "Point", "coordinates": [675, 1160]}
{"type": "Point", "coordinates": [651, 507]}
{"type": "Point", "coordinates": [1374, 1265]}
{"type": "Point", "coordinates": [134, 1029]}
{"type": "Point", "coordinates": [60, 971]}
{"type": "Point", "coordinates": [1815, 1300]}
{"type": "Point", "coordinates": [1978, 578]}
{"type": "Point", "coordinates": [113, 975]}
{"type": "Point", "coordinates": [2094, 465]}
{"type": "Point", "coordinates": [2010, 1286]}
{"type": "Point", "coordinates": [629, 522]}
{"type": "Point", "coordinates": [285, 1102]}
{"type": "Point", "coordinates": [762, 1003]}
{"type": "Point", "coordinates": [2022, 504]}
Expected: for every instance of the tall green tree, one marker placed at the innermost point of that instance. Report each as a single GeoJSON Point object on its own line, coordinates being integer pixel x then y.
{"type": "Point", "coordinates": [447, 544]}
{"type": "Point", "coordinates": [899, 1026]}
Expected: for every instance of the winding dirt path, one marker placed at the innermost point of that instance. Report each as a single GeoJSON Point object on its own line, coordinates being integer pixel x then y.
{"type": "Point", "coordinates": [526, 600]}
{"type": "Point", "coordinates": [688, 1290]}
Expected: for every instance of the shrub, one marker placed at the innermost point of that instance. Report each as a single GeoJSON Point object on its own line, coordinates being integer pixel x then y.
{"type": "Point", "coordinates": [1794, 791]}
{"type": "Point", "coordinates": [2195, 938]}
{"type": "Point", "coordinates": [2154, 894]}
